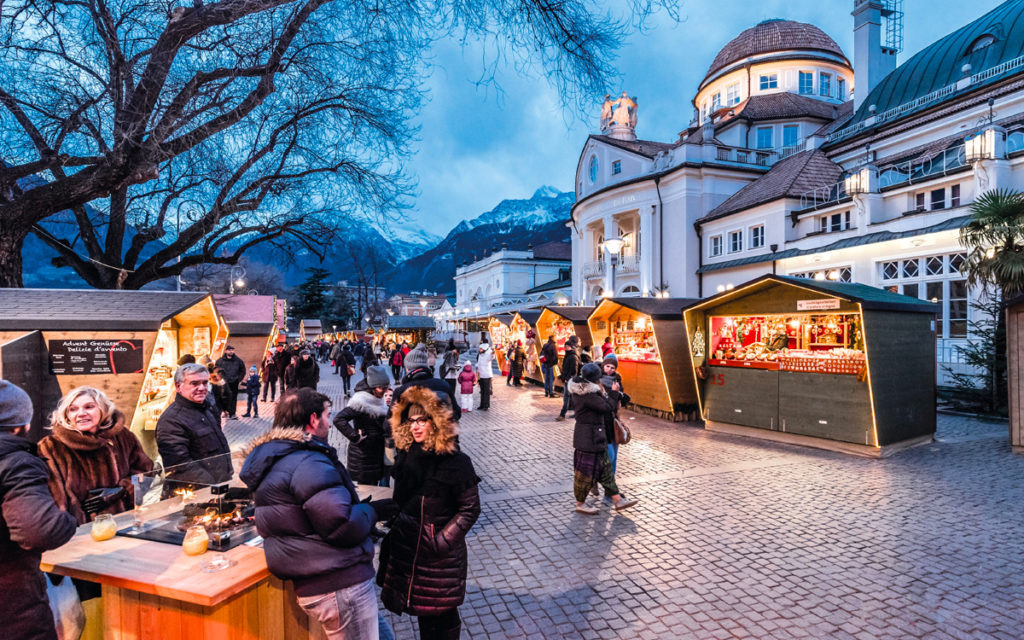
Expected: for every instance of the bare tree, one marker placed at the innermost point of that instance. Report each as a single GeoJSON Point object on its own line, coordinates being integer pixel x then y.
{"type": "Point", "coordinates": [265, 115]}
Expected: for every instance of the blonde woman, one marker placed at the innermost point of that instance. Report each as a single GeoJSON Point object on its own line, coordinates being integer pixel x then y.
{"type": "Point", "coordinates": [91, 455]}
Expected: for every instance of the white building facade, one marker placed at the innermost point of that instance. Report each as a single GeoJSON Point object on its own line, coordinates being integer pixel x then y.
{"type": "Point", "coordinates": [512, 280]}
{"type": "Point", "coordinates": [781, 172]}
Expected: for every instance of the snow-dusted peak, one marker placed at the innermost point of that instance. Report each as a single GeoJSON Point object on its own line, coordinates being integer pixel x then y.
{"type": "Point", "coordinates": [546, 192]}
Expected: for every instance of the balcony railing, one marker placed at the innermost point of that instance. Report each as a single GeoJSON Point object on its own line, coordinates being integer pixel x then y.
{"type": "Point", "coordinates": [593, 269]}
{"type": "Point", "coordinates": [629, 264]}
{"type": "Point", "coordinates": [919, 170]}
{"type": "Point", "coordinates": [759, 157]}
{"type": "Point", "coordinates": [823, 196]}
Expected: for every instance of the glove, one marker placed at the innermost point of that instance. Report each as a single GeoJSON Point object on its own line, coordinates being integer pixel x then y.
{"type": "Point", "coordinates": [385, 509]}
{"type": "Point", "coordinates": [100, 499]}
{"type": "Point", "coordinates": [362, 436]}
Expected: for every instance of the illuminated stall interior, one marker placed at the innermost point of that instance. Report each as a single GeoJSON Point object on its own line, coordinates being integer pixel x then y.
{"type": "Point", "coordinates": [563, 322]}
{"type": "Point", "coordinates": [825, 362]}
{"type": "Point", "coordinates": [251, 323]}
{"type": "Point", "coordinates": [410, 329]}
{"type": "Point", "coordinates": [648, 339]}
{"type": "Point", "coordinates": [500, 333]}
{"type": "Point", "coordinates": [531, 346]}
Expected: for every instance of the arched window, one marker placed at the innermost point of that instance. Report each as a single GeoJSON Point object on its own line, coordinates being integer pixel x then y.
{"type": "Point", "coordinates": [631, 290]}
{"type": "Point", "coordinates": [981, 42]}
{"type": "Point", "coordinates": [593, 168]}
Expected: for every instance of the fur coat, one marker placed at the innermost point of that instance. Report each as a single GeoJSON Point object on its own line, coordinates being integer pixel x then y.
{"type": "Point", "coordinates": [80, 461]}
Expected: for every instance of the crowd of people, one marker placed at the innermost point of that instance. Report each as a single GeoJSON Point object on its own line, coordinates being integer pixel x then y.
{"type": "Point", "coordinates": [400, 420]}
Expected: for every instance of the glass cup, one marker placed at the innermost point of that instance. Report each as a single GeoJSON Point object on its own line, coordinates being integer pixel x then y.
{"type": "Point", "coordinates": [196, 540]}
{"type": "Point", "coordinates": [103, 527]}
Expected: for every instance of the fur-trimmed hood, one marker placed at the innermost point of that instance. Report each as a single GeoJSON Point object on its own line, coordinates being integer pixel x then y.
{"type": "Point", "coordinates": [442, 439]}
{"type": "Point", "coordinates": [580, 387]}
{"type": "Point", "coordinates": [262, 453]}
{"type": "Point", "coordinates": [366, 402]}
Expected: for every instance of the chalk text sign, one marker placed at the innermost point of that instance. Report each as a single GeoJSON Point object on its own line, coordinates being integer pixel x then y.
{"type": "Point", "coordinates": [95, 357]}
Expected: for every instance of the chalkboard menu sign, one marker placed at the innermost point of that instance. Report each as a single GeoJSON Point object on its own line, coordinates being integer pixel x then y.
{"type": "Point", "coordinates": [95, 357]}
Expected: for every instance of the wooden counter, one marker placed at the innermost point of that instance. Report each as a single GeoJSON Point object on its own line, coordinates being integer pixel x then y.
{"type": "Point", "coordinates": [153, 590]}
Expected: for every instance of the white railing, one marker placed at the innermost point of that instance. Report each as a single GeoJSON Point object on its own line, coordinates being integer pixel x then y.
{"type": "Point", "coordinates": [629, 264]}
{"type": "Point", "coordinates": [998, 69]}
{"type": "Point", "coordinates": [593, 269]}
{"type": "Point", "coordinates": [823, 196]}
{"type": "Point", "coordinates": [759, 157]}
{"type": "Point", "coordinates": [916, 171]}
{"type": "Point", "coordinates": [947, 352]}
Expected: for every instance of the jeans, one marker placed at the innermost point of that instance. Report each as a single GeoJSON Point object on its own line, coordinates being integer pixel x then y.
{"type": "Point", "coordinates": [565, 399]}
{"type": "Point", "coordinates": [613, 455]}
{"type": "Point", "coordinates": [349, 614]}
{"type": "Point", "coordinates": [250, 406]}
{"type": "Point", "coordinates": [549, 379]}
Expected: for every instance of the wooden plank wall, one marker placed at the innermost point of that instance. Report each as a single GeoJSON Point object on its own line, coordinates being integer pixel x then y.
{"type": "Point", "coordinates": [676, 364]}
{"type": "Point", "coordinates": [24, 362]}
{"type": "Point", "coordinates": [1015, 371]}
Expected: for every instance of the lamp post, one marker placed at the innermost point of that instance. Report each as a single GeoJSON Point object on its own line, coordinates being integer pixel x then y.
{"type": "Point", "coordinates": [423, 305]}
{"type": "Point", "coordinates": [237, 273]}
{"type": "Point", "coordinates": [613, 246]}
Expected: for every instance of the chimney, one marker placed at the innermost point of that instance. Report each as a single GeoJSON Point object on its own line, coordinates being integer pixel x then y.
{"type": "Point", "coordinates": [872, 60]}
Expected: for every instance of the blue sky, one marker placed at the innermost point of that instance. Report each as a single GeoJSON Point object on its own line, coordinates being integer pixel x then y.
{"type": "Point", "coordinates": [480, 144]}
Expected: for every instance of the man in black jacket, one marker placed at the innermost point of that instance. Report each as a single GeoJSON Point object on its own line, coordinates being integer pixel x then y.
{"type": "Point", "coordinates": [30, 523]}
{"type": "Point", "coordinates": [315, 530]}
{"type": "Point", "coordinates": [548, 360]}
{"type": "Point", "coordinates": [282, 358]}
{"type": "Point", "coordinates": [570, 367]}
{"type": "Point", "coordinates": [189, 431]}
{"type": "Point", "coordinates": [234, 373]}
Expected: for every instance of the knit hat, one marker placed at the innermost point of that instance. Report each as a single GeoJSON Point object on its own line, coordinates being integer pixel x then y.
{"type": "Point", "coordinates": [610, 359]}
{"type": "Point", "coordinates": [305, 352]}
{"type": "Point", "coordinates": [15, 406]}
{"type": "Point", "coordinates": [591, 372]}
{"type": "Point", "coordinates": [377, 376]}
{"type": "Point", "coordinates": [416, 358]}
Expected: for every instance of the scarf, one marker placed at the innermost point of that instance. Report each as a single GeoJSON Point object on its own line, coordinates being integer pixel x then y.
{"type": "Point", "coordinates": [419, 472]}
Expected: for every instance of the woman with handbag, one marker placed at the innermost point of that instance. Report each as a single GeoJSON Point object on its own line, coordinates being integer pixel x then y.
{"type": "Point", "coordinates": [347, 368]}
{"type": "Point", "coordinates": [423, 558]}
{"type": "Point", "coordinates": [593, 407]}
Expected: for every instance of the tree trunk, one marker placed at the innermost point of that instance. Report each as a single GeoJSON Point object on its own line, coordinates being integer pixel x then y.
{"type": "Point", "coordinates": [11, 242]}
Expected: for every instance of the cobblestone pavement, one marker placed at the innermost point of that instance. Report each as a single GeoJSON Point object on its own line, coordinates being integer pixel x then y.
{"type": "Point", "coordinates": [738, 538]}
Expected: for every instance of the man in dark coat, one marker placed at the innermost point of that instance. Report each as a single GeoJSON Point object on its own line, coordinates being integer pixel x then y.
{"type": "Point", "coordinates": [364, 422]}
{"type": "Point", "coordinates": [316, 532]}
{"type": "Point", "coordinates": [419, 374]}
{"type": "Point", "coordinates": [189, 431]}
{"type": "Point", "coordinates": [30, 523]}
{"type": "Point", "coordinates": [307, 371]}
{"type": "Point", "coordinates": [234, 373]}
{"type": "Point", "coordinates": [570, 367]}
{"type": "Point", "coordinates": [283, 358]}
{"type": "Point", "coordinates": [549, 358]}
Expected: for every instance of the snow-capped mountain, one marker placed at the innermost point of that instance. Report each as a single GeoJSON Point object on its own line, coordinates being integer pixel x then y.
{"type": "Point", "coordinates": [547, 205]}
{"type": "Point", "coordinates": [407, 240]}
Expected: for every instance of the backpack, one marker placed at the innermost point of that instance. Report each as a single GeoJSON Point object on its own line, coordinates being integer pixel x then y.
{"type": "Point", "coordinates": [396, 358]}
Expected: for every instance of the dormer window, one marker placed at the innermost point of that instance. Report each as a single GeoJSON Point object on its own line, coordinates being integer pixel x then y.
{"type": "Point", "coordinates": [981, 42]}
{"type": "Point", "coordinates": [841, 89]}
{"type": "Point", "coordinates": [617, 167]}
{"type": "Point", "coordinates": [716, 102]}
{"type": "Point", "coordinates": [806, 82]}
{"type": "Point", "coordinates": [733, 96]}
{"type": "Point", "coordinates": [824, 84]}
{"type": "Point", "coordinates": [769, 81]}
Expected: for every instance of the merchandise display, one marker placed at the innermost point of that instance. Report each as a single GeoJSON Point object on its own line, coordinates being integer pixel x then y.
{"type": "Point", "coordinates": [634, 340]}
{"type": "Point", "coordinates": [158, 386]}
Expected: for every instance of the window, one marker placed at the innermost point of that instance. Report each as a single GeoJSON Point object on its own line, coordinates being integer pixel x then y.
{"type": "Point", "coordinates": [764, 137]}
{"type": "Point", "coordinates": [733, 95]}
{"type": "Point", "coordinates": [957, 308]}
{"type": "Point", "coordinates": [716, 102]}
{"type": "Point", "coordinates": [933, 266]}
{"type": "Point", "coordinates": [982, 42]}
{"type": "Point", "coordinates": [735, 241]}
{"type": "Point", "coordinates": [933, 293]}
{"type": "Point", "coordinates": [806, 82]}
{"type": "Point", "coordinates": [617, 166]}
{"type": "Point", "coordinates": [715, 248]}
{"type": "Point", "coordinates": [938, 199]}
{"type": "Point", "coordinates": [910, 268]}
{"type": "Point", "coordinates": [824, 84]}
{"type": "Point", "coordinates": [937, 280]}
{"type": "Point", "coordinates": [593, 168]}
{"type": "Point", "coordinates": [836, 274]}
{"type": "Point", "coordinates": [954, 196]}
{"type": "Point", "coordinates": [919, 202]}
{"type": "Point", "coordinates": [757, 236]}
{"type": "Point", "coordinates": [955, 261]}
{"type": "Point", "coordinates": [841, 89]}
{"type": "Point", "coordinates": [790, 135]}
{"type": "Point", "coordinates": [835, 222]}
{"type": "Point", "coordinates": [890, 270]}
{"type": "Point", "coordinates": [769, 81]}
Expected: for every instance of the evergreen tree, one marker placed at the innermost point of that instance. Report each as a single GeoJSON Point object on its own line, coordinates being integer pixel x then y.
{"type": "Point", "coordinates": [311, 298]}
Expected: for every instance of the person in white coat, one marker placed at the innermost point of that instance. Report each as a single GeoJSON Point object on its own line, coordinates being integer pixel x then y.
{"type": "Point", "coordinates": [484, 372]}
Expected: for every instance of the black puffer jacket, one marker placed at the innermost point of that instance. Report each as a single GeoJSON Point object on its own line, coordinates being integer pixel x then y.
{"type": "Point", "coordinates": [550, 353]}
{"type": "Point", "coordinates": [592, 405]}
{"type": "Point", "coordinates": [424, 558]}
{"type": "Point", "coordinates": [30, 523]}
{"type": "Point", "coordinates": [363, 421]}
{"type": "Point", "coordinates": [307, 373]}
{"type": "Point", "coordinates": [234, 369]}
{"type": "Point", "coordinates": [188, 432]}
{"type": "Point", "coordinates": [570, 365]}
{"type": "Point", "coordinates": [315, 531]}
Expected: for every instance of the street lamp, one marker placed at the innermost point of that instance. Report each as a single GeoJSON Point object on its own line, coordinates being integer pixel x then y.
{"type": "Point", "coordinates": [423, 305]}
{"type": "Point", "coordinates": [613, 246]}
{"type": "Point", "coordinates": [237, 273]}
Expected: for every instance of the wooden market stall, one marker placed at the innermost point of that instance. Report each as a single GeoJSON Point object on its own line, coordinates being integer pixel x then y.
{"type": "Point", "coordinates": [411, 329]}
{"type": "Point", "coordinates": [251, 322]}
{"type": "Point", "coordinates": [563, 322]}
{"type": "Point", "coordinates": [499, 332]}
{"type": "Point", "coordinates": [310, 329]}
{"type": "Point", "coordinates": [650, 345]}
{"type": "Point", "coordinates": [827, 364]}
{"type": "Point", "coordinates": [124, 342]}
{"type": "Point", "coordinates": [1015, 370]}
{"type": "Point", "coordinates": [531, 344]}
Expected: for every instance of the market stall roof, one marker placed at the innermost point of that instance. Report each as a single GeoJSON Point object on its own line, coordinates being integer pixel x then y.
{"type": "Point", "coordinates": [312, 325]}
{"type": "Point", "coordinates": [530, 316]}
{"type": "Point", "coordinates": [572, 314]}
{"type": "Point", "coordinates": [408, 323]}
{"type": "Point", "coordinates": [504, 318]}
{"type": "Point", "coordinates": [75, 309]}
{"type": "Point", "coordinates": [247, 315]}
{"type": "Point", "coordinates": [869, 297]}
{"type": "Point", "coordinates": [659, 308]}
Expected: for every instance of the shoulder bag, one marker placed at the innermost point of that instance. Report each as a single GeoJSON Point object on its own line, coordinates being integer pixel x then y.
{"type": "Point", "coordinates": [622, 434]}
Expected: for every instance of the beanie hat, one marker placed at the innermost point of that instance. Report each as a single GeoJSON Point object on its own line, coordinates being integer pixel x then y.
{"type": "Point", "coordinates": [15, 406]}
{"type": "Point", "coordinates": [377, 376]}
{"type": "Point", "coordinates": [591, 372]}
{"type": "Point", "coordinates": [305, 352]}
{"type": "Point", "coordinates": [416, 358]}
{"type": "Point", "coordinates": [610, 359]}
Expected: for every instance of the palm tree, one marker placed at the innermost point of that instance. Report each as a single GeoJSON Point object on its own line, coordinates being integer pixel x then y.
{"type": "Point", "coordinates": [994, 239]}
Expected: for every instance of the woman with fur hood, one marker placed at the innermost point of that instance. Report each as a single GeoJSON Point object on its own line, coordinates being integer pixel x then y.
{"type": "Point", "coordinates": [591, 464]}
{"type": "Point", "coordinates": [91, 455]}
{"type": "Point", "coordinates": [423, 559]}
{"type": "Point", "coordinates": [364, 422]}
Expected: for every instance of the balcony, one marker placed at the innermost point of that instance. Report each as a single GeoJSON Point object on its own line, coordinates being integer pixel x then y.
{"type": "Point", "coordinates": [629, 264]}
{"type": "Point", "coordinates": [593, 270]}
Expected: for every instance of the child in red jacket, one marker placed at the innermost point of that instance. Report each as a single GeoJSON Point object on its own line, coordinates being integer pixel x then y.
{"type": "Point", "coordinates": [466, 381]}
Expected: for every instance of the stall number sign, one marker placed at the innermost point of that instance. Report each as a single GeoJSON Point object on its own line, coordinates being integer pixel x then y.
{"type": "Point", "coordinates": [95, 357]}
{"type": "Point", "coordinates": [817, 305]}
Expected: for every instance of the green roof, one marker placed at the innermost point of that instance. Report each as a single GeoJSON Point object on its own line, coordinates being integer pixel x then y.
{"type": "Point", "coordinates": [940, 64]}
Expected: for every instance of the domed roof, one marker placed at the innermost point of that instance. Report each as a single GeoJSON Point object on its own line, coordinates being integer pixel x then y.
{"type": "Point", "coordinates": [770, 36]}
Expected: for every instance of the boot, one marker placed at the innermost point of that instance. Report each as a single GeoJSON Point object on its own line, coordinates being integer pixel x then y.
{"type": "Point", "coordinates": [454, 633]}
